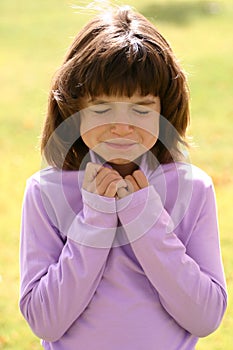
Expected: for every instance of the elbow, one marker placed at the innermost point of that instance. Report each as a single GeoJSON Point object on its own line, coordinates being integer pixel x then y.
{"type": "Point", "coordinates": [205, 329]}
{"type": "Point", "coordinates": [209, 327]}
{"type": "Point", "coordinates": [47, 333]}
{"type": "Point", "coordinates": [47, 330]}
{"type": "Point", "coordinates": [210, 320]}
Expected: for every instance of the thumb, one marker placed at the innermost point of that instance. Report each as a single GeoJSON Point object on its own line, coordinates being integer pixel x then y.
{"type": "Point", "coordinates": [125, 190]}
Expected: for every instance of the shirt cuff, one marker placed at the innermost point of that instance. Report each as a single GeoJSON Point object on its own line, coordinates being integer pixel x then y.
{"type": "Point", "coordinates": [95, 226]}
{"type": "Point", "coordinates": [87, 235]}
{"type": "Point", "coordinates": [99, 203]}
{"type": "Point", "coordinates": [139, 211]}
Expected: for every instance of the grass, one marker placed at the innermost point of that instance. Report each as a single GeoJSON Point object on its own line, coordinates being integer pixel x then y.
{"type": "Point", "coordinates": [34, 36]}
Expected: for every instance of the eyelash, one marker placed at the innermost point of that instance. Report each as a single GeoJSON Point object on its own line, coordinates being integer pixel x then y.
{"type": "Point", "coordinates": [103, 111]}
{"type": "Point", "coordinates": [108, 109]}
{"type": "Point", "coordinates": [141, 112]}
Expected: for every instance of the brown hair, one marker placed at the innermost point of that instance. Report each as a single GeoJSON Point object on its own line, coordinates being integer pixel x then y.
{"type": "Point", "coordinates": [117, 53]}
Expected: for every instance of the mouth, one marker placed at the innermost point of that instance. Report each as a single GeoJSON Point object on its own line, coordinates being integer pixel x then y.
{"type": "Point", "coordinates": [120, 144]}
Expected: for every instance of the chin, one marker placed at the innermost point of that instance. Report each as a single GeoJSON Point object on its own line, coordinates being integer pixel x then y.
{"type": "Point", "coordinates": [119, 161]}
{"type": "Point", "coordinates": [117, 158]}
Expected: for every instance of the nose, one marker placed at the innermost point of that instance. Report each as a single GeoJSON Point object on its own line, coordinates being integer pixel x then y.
{"type": "Point", "coordinates": [121, 129]}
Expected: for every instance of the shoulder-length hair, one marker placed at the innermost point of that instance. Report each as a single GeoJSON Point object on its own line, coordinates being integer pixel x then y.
{"type": "Point", "coordinates": [118, 53]}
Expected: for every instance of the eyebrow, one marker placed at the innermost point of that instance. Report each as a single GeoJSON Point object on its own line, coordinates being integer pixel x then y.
{"type": "Point", "coordinates": [143, 102]}
{"type": "Point", "coordinates": [97, 102]}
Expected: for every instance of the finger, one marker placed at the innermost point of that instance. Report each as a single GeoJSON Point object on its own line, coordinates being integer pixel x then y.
{"type": "Point", "coordinates": [125, 191]}
{"type": "Point", "coordinates": [101, 188]}
{"type": "Point", "coordinates": [133, 182]}
{"type": "Point", "coordinates": [121, 184]}
{"type": "Point", "coordinates": [90, 187]}
{"type": "Point", "coordinates": [90, 173]}
{"type": "Point", "coordinates": [140, 178]}
{"type": "Point", "coordinates": [122, 189]}
{"type": "Point", "coordinates": [112, 189]}
{"type": "Point", "coordinates": [103, 173]}
{"type": "Point", "coordinates": [106, 181]}
{"type": "Point", "coordinates": [122, 192]}
{"type": "Point", "coordinates": [130, 186]}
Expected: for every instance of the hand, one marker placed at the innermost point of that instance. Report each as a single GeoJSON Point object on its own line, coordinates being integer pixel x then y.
{"type": "Point", "coordinates": [135, 182]}
{"type": "Point", "coordinates": [102, 180]}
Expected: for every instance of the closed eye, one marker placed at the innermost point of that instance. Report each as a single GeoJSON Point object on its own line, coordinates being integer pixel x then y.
{"type": "Point", "coordinates": [102, 111]}
{"type": "Point", "coordinates": [141, 112]}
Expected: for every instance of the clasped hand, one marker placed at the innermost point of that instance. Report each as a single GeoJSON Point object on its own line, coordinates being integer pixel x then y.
{"type": "Point", "coordinates": [109, 183]}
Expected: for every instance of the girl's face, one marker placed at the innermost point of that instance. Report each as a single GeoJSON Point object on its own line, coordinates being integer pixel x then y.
{"type": "Point", "coordinates": [120, 129]}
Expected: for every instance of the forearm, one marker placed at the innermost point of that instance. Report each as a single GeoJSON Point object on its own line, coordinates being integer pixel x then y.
{"type": "Point", "coordinates": [55, 300]}
{"type": "Point", "coordinates": [188, 293]}
{"type": "Point", "coordinates": [59, 276]}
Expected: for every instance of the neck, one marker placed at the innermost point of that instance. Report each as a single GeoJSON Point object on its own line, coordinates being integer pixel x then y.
{"type": "Point", "coordinates": [124, 169]}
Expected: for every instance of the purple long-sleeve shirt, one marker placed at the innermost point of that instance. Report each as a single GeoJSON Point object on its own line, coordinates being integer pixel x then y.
{"type": "Point", "coordinates": [142, 272]}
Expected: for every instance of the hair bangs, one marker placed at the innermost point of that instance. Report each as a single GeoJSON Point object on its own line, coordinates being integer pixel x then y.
{"type": "Point", "coordinates": [133, 69]}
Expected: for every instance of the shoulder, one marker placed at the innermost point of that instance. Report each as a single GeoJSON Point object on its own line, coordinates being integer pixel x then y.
{"type": "Point", "coordinates": [186, 192]}
{"type": "Point", "coordinates": [55, 186]}
{"type": "Point", "coordinates": [42, 175]}
{"type": "Point", "coordinates": [182, 185]}
{"type": "Point", "coordinates": [185, 174]}
{"type": "Point", "coordinates": [56, 194]}
{"type": "Point", "coordinates": [52, 177]}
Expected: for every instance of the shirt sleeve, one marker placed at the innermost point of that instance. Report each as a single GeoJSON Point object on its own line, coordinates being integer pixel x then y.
{"type": "Point", "coordinates": [59, 276]}
{"type": "Point", "coordinates": [188, 278]}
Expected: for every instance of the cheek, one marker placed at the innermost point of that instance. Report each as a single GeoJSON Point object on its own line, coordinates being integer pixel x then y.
{"type": "Point", "coordinates": [86, 139]}
{"type": "Point", "coordinates": [150, 134]}
{"type": "Point", "coordinates": [92, 136]}
{"type": "Point", "coordinates": [149, 140]}
{"type": "Point", "coordinates": [149, 125]}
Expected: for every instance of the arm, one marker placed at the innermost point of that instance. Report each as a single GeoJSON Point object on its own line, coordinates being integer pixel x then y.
{"type": "Point", "coordinates": [59, 277]}
{"type": "Point", "coordinates": [189, 280]}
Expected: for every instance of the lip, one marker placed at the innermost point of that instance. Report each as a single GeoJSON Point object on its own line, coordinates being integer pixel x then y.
{"type": "Point", "coordinates": [120, 145]}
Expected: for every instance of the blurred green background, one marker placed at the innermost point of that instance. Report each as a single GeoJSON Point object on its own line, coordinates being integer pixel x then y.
{"type": "Point", "coordinates": [34, 36]}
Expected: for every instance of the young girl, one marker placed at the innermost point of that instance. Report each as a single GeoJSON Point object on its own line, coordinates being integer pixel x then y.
{"type": "Point", "coordinates": [119, 242]}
